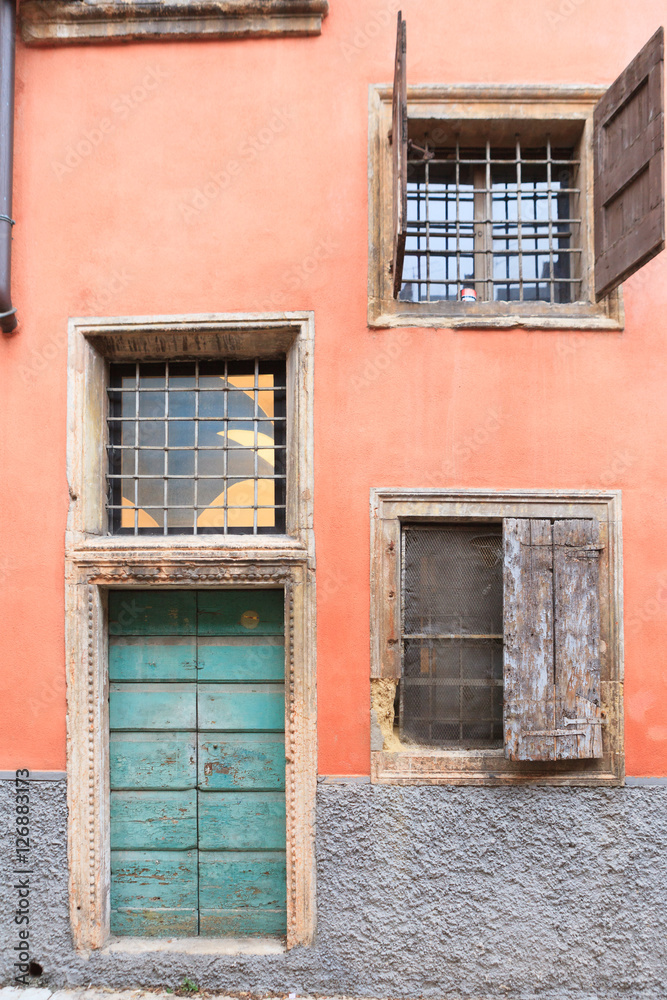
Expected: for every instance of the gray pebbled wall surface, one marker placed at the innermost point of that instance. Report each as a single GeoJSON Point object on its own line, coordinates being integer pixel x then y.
{"type": "Point", "coordinates": [522, 893]}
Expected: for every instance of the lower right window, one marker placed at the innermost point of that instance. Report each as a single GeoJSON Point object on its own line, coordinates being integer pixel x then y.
{"type": "Point", "coordinates": [498, 647]}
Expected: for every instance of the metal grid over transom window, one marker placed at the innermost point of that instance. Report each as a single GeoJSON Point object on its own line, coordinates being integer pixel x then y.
{"type": "Point", "coordinates": [197, 447]}
{"type": "Point", "coordinates": [451, 689]}
{"type": "Point", "coordinates": [493, 223]}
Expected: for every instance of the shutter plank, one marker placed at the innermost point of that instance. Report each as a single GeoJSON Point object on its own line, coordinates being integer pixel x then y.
{"type": "Point", "coordinates": [628, 141]}
{"type": "Point", "coordinates": [577, 635]}
{"type": "Point", "coordinates": [528, 647]}
{"type": "Point", "coordinates": [399, 142]}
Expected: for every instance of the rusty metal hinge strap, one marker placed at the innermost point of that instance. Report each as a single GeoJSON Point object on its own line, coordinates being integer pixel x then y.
{"type": "Point", "coordinates": [553, 732]}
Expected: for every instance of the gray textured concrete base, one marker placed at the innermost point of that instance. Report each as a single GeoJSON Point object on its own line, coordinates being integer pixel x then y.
{"type": "Point", "coordinates": [546, 893]}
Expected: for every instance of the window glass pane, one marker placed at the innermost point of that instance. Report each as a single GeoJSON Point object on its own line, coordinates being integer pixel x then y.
{"type": "Point", "coordinates": [197, 447]}
{"type": "Point", "coordinates": [451, 687]}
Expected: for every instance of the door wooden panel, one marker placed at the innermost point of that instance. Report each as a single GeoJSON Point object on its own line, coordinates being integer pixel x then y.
{"type": "Point", "coordinates": [152, 760]}
{"type": "Point", "coordinates": [147, 821]}
{"type": "Point", "coordinates": [152, 706]}
{"type": "Point", "coordinates": [137, 658]}
{"type": "Point", "coordinates": [152, 612]}
{"type": "Point", "coordinates": [155, 879]}
{"type": "Point", "coordinates": [233, 879]}
{"type": "Point", "coordinates": [241, 762]}
{"type": "Point", "coordinates": [197, 763]}
{"type": "Point", "coordinates": [242, 658]}
{"type": "Point", "coordinates": [241, 707]}
{"type": "Point", "coordinates": [241, 612]}
{"type": "Point", "coordinates": [236, 821]}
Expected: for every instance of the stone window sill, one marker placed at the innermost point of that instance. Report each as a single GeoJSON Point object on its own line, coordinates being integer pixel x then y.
{"type": "Point", "coordinates": [47, 22]}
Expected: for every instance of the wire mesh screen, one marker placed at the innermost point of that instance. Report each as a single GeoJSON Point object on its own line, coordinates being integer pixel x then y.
{"type": "Point", "coordinates": [500, 223]}
{"type": "Point", "coordinates": [451, 691]}
{"type": "Point", "coordinates": [197, 447]}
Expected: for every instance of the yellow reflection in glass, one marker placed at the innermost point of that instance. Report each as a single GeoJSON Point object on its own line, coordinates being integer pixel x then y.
{"type": "Point", "coordinates": [127, 517]}
{"type": "Point", "coordinates": [247, 440]}
{"type": "Point", "coordinates": [247, 382]}
{"type": "Point", "coordinates": [241, 495]}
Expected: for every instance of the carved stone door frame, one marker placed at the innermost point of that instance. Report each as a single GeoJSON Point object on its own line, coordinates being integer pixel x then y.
{"type": "Point", "coordinates": [97, 562]}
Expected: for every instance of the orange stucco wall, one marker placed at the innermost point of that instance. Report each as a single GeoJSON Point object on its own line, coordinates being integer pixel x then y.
{"type": "Point", "coordinates": [283, 125]}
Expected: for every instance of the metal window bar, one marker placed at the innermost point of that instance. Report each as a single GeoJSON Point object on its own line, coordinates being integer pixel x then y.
{"type": "Point", "coordinates": [514, 257]}
{"type": "Point", "coordinates": [245, 463]}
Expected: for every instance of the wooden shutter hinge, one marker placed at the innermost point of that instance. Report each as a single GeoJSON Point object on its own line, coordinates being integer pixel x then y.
{"type": "Point", "coordinates": [553, 732]}
{"type": "Point", "coordinates": [584, 722]}
{"type": "Point", "coordinates": [566, 732]}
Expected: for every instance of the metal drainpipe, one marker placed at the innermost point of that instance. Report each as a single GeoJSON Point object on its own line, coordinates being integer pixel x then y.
{"type": "Point", "coordinates": [7, 48]}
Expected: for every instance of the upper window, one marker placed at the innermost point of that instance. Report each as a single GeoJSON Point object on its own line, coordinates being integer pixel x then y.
{"type": "Point", "coordinates": [513, 206]}
{"type": "Point", "coordinates": [492, 223]}
{"type": "Point", "coordinates": [197, 447]}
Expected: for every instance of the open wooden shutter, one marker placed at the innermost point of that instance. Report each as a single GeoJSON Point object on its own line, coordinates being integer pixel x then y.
{"type": "Point", "coordinates": [399, 141]}
{"type": "Point", "coordinates": [552, 639]}
{"type": "Point", "coordinates": [629, 186]}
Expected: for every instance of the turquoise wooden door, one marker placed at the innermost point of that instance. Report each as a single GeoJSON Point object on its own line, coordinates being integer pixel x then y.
{"type": "Point", "coordinates": [197, 763]}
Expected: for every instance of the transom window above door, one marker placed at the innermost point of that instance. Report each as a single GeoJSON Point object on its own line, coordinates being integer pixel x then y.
{"type": "Point", "coordinates": [197, 447]}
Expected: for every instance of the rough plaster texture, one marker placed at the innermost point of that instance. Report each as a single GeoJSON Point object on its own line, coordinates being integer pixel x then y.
{"type": "Point", "coordinates": [422, 892]}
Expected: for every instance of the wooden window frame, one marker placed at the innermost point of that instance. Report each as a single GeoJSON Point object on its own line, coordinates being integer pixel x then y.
{"type": "Point", "coordinates": [488, 106]}
{"type": "Point", "coordinates": [411, 765]}
{"type": "Point", "coordinates": [70, 21]}
{"type": "Point", "coordinates": [96, 562]}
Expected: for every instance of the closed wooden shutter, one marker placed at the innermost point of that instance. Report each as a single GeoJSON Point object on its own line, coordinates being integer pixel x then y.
{"type": "Point", "coordinates": [197, 763]}
{"type": "Point", "coordinates": [399, 140]}
{"type": "Point", "coordinates": [528, 681]}
{"type": "Point", "coordinates": [552, 639]}
{"type": "Point", "coordinates": [629, 170]}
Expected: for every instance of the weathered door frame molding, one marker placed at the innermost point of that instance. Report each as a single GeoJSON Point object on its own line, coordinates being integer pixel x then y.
{"type": "Point", "coordinates": [96, 562]}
